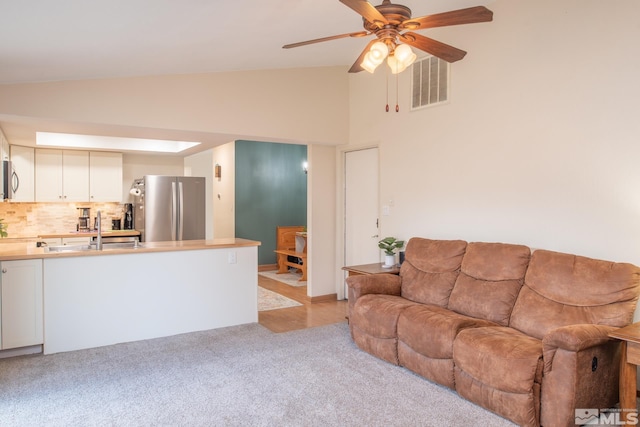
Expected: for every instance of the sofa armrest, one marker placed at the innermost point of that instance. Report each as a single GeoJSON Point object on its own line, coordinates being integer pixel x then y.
{"type": "Point", "coordinates": [387, 284]}
{"type": "Point", "coordinates": [573, 338]}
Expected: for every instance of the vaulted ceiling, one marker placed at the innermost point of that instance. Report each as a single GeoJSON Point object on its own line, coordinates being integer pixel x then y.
{"type": "Point", "coordinates": [43, 40]}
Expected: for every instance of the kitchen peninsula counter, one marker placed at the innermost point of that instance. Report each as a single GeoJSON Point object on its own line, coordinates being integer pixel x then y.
{"type": "Point", "coordinates": [29, 250]}
{"type": "Point", "coordinates": [95, 298]}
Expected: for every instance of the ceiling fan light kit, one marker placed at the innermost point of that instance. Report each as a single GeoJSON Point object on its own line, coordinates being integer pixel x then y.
{"type": "Point", "coordinates": [399, 57]}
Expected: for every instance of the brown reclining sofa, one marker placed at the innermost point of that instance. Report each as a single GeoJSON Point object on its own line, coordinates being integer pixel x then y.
{"type": "Point", "coordinates": [522, 334]}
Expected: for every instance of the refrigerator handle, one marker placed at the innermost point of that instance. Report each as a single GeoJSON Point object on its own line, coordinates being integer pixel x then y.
{"type": "Point", "coordinates": [174, 210]}
{"type": "Point", "coordinates": [16, 181]}
{"type": "Point", "coordinates": [181, 215]}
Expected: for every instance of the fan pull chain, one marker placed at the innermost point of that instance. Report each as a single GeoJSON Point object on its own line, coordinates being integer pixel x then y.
{"type": "Point", "coordinates": [397, 106]}
{"type": "Point", "coordinates": [387, 78]}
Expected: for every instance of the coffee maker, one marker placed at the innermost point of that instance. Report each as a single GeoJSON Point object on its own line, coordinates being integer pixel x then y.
{"type": "Point", "coordinates": [128, 216]}
{"type": "Point", "coordinates": [84, 219]}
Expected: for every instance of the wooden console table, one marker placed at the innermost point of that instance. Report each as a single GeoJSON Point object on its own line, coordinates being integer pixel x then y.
{"type": "Point", "coordinates": [629, 361]}
{"type": "Point", "coordinates": [377, 268]}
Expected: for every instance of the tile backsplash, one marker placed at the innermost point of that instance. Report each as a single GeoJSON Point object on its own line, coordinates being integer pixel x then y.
{"type": "Point", "coordinates": [33, 219]}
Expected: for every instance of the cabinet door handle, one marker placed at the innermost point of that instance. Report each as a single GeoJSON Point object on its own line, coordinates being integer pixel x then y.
{"type": "Point", "coordinates": [4, 270]}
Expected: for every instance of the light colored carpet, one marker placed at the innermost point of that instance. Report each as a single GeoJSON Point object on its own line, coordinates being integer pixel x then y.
{"type": "Point", "coordinates": [269, 300]}
{"type": "Point", "coordinates": [290, 278]}
{"type": "Point", "coordinates": [237, 376]}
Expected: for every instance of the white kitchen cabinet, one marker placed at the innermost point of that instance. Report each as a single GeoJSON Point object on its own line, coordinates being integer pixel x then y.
{"type": "Point", "coordinates": [21, 305]}
{"type": "Point", "coordinates": [23, 164]}
{"type": "Point", "coordinates": [105, 177]}
{"type": "Point", "coordinates": [4, 147]}
{"type": "Point", "coordinates": [61, 175]}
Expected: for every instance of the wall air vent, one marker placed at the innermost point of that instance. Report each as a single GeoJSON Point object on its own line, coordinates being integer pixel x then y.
{"type": "Point", "coordinates": [430, 82]}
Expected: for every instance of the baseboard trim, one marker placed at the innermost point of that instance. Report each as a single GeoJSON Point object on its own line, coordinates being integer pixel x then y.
{"type": "Point", "coordinates": [22, 351]}
{"type": "Point", "coordinates": [267, 267]}
{"type": "Point", "coordinates": [322, 298]}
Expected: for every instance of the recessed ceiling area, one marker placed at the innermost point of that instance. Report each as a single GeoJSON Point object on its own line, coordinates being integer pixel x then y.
{"type": "Point", "coordinates": [77, 40]}
{"type": "Point", "coordinates": [95, 142]}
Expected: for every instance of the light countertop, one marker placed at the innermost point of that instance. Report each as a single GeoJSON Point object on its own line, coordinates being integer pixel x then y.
{"type": "Point", "coordinates": [29, 250]}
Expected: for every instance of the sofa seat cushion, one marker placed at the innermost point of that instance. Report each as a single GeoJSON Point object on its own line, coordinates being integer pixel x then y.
{"type": "Point", "coordinates": [425, 340]}
{"type": "Point", "coordinates": [430, 330]}
{"type": "Point", "coordinates": [500, 368]}
{"type": "Point", "coordinates": [374, 324]}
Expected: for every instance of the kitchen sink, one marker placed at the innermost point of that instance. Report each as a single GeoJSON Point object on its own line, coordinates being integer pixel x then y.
{"type": "Point", "coordinates": [68, 248]}
{"type": "Point", "coordinates": [92, 247]}
{"type": "Point", "coordinates": [120, 245]}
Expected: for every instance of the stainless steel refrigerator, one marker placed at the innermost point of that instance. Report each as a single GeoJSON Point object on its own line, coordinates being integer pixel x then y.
{"type": "Point", "coordinates": [170, 208]}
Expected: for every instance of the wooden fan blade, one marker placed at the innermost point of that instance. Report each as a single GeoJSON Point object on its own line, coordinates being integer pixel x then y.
{"type": "Point", "coordinates": [434, 47]}
{"type": "Point", "coordinates": [325, 39]}
{"type": "Point", "coordinates": [356, 67]}
{"type": "Point", "coordinates": [455, 17]}
{"type": "Point", "coordinates": [367, 11]}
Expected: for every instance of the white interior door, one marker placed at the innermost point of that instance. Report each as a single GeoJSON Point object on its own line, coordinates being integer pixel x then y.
{"type": "Point", "coordinates": [361, 207]}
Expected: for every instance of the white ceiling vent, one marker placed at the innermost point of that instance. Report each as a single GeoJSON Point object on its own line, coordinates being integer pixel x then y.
{"type": "Point", "coordinates": [430, 82]}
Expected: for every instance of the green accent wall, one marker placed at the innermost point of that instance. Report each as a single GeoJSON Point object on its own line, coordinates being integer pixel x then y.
{"type": "Point", "coordinates": [271, 190]}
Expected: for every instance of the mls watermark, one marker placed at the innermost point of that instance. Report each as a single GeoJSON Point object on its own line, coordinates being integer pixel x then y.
{"type": "Point", "coordinates": [606, 417]}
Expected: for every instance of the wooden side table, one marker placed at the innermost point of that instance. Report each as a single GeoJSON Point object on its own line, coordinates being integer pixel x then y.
{"type": "Point", "coordinates": [629, 361]}
{"type": "Point", "coordinates": [377, 268]}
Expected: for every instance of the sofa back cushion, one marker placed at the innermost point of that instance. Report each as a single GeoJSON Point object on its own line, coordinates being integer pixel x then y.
{"type": "Point", "coordinates": [430, 269]}
{"type": "Point", "coordinates": [489, 282]}
{"type": "Point", "coordinates": [563, 289]}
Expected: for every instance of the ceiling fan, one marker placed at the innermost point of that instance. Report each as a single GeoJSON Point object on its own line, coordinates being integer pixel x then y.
{"type": "Point", "coordinates": [392, 25]}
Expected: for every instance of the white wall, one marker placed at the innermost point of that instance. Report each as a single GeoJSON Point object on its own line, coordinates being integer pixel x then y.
{"type": "Point", "coordinates": [224, 191]}
{"type": "Point", "coordinates": [220, 203]}
{"type": "Point", "coordinates": [293, 105]}
{"type": "Point", "coordinates": [136, 166]}
{"type": "Point", "coordinates": [321, 217]}
{"type": "Point", "coordinates": [539, 142]}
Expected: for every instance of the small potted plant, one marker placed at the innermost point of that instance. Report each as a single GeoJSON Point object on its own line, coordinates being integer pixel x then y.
{"type": "Point", "coordinates": [389, 245]}
{"type": "Point", "coordinates": [3, 229]}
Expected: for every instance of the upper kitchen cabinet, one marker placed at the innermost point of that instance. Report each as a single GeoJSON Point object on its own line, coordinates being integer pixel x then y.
{"type": "Point", "coordinates": [62, 175]}
{"type": "Point", "coordinates": [4, 147]}
{"type": "Point", "coordinates": [105, 177]}
{"type": "Point", "coordinates": [77, 176]}
{"type": "Point", "coordinates": [23, 160]}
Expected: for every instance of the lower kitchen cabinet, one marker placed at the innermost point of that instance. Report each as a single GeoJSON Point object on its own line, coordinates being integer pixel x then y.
{"type": "Point", "coordinates": [21, 322]}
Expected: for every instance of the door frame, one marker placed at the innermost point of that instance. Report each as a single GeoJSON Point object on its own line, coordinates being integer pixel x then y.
{"type": "Point", "coordinates": [341, 211]}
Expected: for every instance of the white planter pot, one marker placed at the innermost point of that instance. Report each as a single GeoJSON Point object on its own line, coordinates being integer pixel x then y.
{"type": "Point", "coordinates": [389, 260]}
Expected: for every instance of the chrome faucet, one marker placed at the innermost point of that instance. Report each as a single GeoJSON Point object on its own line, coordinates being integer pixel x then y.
{"type": "Point", "coordinates": [99, 227]}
